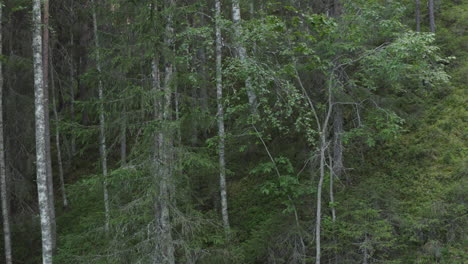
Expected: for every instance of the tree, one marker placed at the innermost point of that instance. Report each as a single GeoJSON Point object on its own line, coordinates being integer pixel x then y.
{"type": "Point", "coordinates": [418, 15]}
{"type": "Point", "coordinates": [45, 65]}
{"type": "Point", "coordinates": [3, 176]}
{"type": "Point", "coordinates": [41, 152]}
{"type": "Point", "coordinates": [57, 138]}
{"type": "Point", "coordinates": [165, 254]}
{"type": "Point", "coordinates": [102, 123]}
{"type": "Point", "coordinates": [431, 16]}
{"type": "Point", "coordinates": [242, 53]}
{"type": "Point", "coordinates": [338, 84]}
{"type": "Point", "coordinates": [220, 119]}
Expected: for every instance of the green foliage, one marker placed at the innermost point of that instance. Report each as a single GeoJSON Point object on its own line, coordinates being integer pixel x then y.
{"type": "Point", "coordinates": [400, 197]}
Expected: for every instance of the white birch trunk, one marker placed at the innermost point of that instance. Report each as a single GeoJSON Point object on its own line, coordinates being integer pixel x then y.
{"type": "Point", "coordinates": [242, 53]}
{"type": "Point", "coordinates": [102, 123]}
{"type": "Point", "coordinates": [319, 200]}
{"type": "Point", "coordinates": [41, 153]}
{"type": "Point", "coordinates": [220, 119]}
{"type": "Point", "coordinates": [323, 147]}
{"type": "Point", "coordinates": [3, 177]}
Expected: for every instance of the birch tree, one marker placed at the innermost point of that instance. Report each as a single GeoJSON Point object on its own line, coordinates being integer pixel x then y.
{"type": "Point", "coordinates": [102, 122]}
{"type": "Point", "coordinates": [40, 126]}
{"type": "Point", "coordinates": [45, 65]}
{"type": "Point", "coordinates": [220, 119]}
{"type": "Point", "coordinates": [242, 53]}
{"type": "Point", "coordinates": [3, 177]}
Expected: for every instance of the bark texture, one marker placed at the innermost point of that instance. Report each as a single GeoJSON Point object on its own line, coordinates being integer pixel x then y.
{"type": "Point", "coordinates": [123, 141]}
{"type": "Point", "coordinates": [41, 153]}
{"type": "Point", "coordinates": [45, 65]}
{"type": "Point", "coordinates": [337, 165]}
{"type": "Point", "coordinates": [242, 53]}
{"type": "Point", "coordinates": [318, 211]}
{"type": "Point", "coordinates": [3, 177]}
{"type": "Point", "coordinates": [432, 16]}
{"type": "Point", "coordinates": [220, 119]}
{"type": "Point", "coordinates": [165, 251]}
{"type": "Point", "coordinates": [102, 124]}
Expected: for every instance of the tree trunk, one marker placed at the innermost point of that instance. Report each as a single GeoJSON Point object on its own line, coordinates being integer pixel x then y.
{"type": "Point", "coordinates": [242, 54]}
{"type": "Point", "coordinates": [323, 146]}
{"type": "Point", "coordinates": [431, 16]}
{"type": "Point", "coordinates": [338, 142]}
{"type": "Point", "coordinates": [332, 194]}
{"type": "Point", "coordinates": [3, 177]}
{"type": "Point", "coordinates": [204, 90]}
{"type": "Point", "coordinates": [319, 200]}
{"type": "Point", "coordinates": [41, 153]}
{"type": "Point", "coordinates": [365, 250]}
{"type": "Point", "coordinates": [102, 123]}
{"type": "Point", "coordinates": [220, 115]}
{"type": "Point", "coordinates": [418, 15]}
{"type": "Point", "coordinates": [45, 65]}
{"type": "Point", "coordinates": [57, 139]}
{"type": "Point", "coordinates": [336, 8]}
{"type": "Point", "coordinates": [165, 254]}
{"type": "Point", "coordinates": [123, 140]}
{"type": "Point", "coordinates": [72, 90]}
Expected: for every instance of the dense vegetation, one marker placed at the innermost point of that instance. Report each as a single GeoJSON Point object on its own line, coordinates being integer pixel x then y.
{"type": "Point", "coordinates": [340, 131]}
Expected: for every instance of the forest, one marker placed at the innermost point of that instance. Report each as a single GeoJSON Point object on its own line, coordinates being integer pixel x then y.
{"type": "Point", "coordinates": [233, 131]}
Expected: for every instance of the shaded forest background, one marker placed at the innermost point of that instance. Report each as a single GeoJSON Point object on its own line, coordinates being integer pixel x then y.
{"type": "Point", "coordinates": [342, 101]}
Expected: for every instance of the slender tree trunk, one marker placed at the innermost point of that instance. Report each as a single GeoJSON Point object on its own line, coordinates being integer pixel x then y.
{"type": "Point", "coordinates": [72, 90]}
{"type": "Point", "coordinates": [102, 123]}
{"type": "Point", "coordinates": [432, 16]}
{"type": "Point", "coordinates": [45, 65]}
{"type": "Point", "coordinates": [177, 111]}
{"type": "Point", "coordinates": [204, 87]}
{"type": "Point", "coordinates": [41, 153]}
{"type": "Point", "coordinates": [323, 147]}
{"type": "Point", "coordinates": [204, 90]}
{"type": "Point", "coordinates": [365, 251]}
{"type": "Point", "coordinates": [332, 202]}
{"type": "Point", "coordinates": [319, 200]}
{"type": "Point", "coordinates": [336, 8]}
{"type": "Point", "coordinates": [418, 15]}
{"type": "Point", "coordinates": [242, 53]}
{"type": "Point", "coordinates": [166, 152]}
{"type": "Point", "coordinates": [3, 177]}
{"type": "Point", "coordinates": [195, 100]}
{"type": "Point", "coordinates": [220, 117]}
{"type": "Point", "coordinates": [57, 139]}
{"type": "Point", "coordinates": [123, 140]}
{"type": "Point", "coordinates": [331, 191]}
{"type": "Point", "coordinates": [336, 162]}
{"type": "Point", "coordinates": [338, 142]}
